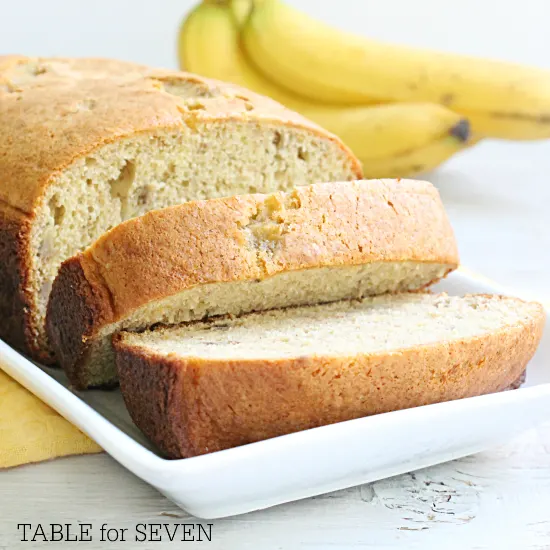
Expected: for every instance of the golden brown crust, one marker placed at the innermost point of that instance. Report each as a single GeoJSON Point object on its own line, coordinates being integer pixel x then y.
{"type": "Point", "coordinates": [14, 262]}
{"type": "Point", "coordinates": [89, 307]}
{"type": "Point", "coordinates": [189, 407]}
{"type": "Point", "coordinates": [225, 240]}
{"type": "Point", "coordinates": [56, 110]}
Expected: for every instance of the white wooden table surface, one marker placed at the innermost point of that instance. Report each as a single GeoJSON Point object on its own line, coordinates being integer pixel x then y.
{"type": "Point", "coordinates": [498, 196]}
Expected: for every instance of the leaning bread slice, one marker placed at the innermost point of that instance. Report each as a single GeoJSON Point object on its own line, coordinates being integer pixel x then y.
{"type": "Point", "coordinates": [319, 243]}
{"type": "Point", "coordinates": [204, 387]}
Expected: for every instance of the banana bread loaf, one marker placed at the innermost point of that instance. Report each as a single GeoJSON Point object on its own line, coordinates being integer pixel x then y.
{"type": "Point", "coordinates": [88, 143]}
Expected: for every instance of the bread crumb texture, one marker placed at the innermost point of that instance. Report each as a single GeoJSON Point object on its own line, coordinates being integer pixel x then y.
{"type": "Point", "coordinates": [372, 325]}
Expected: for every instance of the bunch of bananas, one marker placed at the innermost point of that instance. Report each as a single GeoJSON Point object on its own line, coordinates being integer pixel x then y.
{"type": "Point", "coordinates": [402, 111]}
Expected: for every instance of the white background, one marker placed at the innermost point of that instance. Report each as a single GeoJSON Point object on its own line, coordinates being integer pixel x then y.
{"type": "Point", "coordinates": [498, 196]}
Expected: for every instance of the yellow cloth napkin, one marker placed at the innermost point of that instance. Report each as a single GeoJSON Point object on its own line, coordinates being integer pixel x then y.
{"type": "Point", "coordinates": [30, 431]}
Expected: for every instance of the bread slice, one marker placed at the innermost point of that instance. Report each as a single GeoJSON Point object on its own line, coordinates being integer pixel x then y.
{"type": "Point", "coordinates": [88, 143]}
{"type": "Point", "coordinates": [203, 387]}
{"type": "Point", "coordinates": [319, 243]}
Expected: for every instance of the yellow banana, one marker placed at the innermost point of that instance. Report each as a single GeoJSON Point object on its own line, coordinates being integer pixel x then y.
{"type": "Point", "coordinates": [240, 8]}
{"type": "Point", "coordinates": [317, 61]}
{"type": "Point", "coordinates": [386, 131]}
{"type": "Point", "coordinates": [208, 45]}
{"type": "Point", "coordinates": [416, 161]}
{"type": "Point", "coordinates": [380, 136]}
{"type": "Point", "coordinates": [520, 128]}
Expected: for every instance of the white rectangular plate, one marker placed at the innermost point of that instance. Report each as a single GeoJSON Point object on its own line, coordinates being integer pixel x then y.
{"type": "Point", "coordinates": [307, 463]}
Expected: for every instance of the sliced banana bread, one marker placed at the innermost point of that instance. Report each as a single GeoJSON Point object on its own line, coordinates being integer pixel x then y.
{"type": "Point", "coordinates": [204, 387]}
{"type": "Point", "coordinates": [319, 243]}
{"type": "Point", "coordinates": [88, 143]}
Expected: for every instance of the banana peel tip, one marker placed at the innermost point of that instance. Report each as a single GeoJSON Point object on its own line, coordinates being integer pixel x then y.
{"type": "Point", "coordinates": [461, 130]}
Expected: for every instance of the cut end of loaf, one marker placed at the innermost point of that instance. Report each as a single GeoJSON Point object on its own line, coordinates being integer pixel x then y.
{"type": "Point", "coordinates": [128, 178]}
